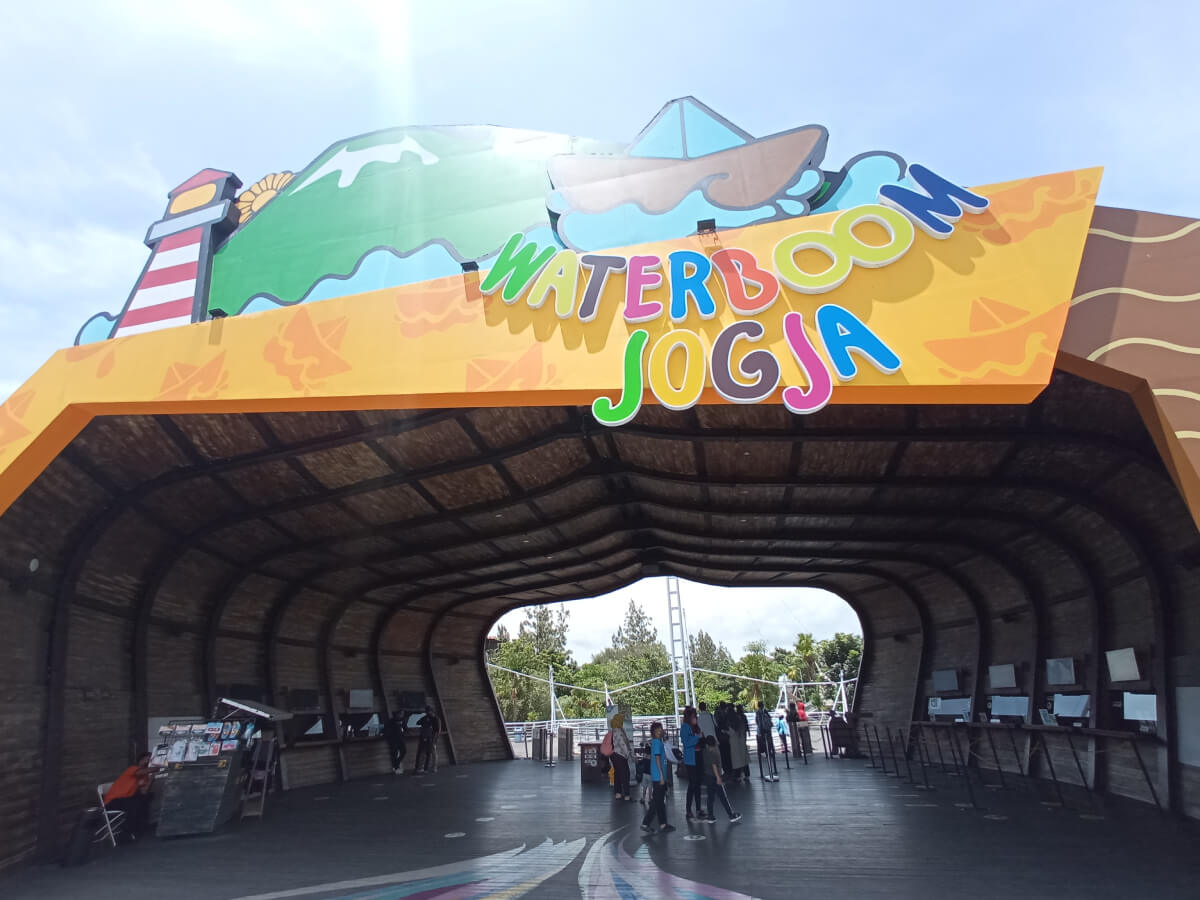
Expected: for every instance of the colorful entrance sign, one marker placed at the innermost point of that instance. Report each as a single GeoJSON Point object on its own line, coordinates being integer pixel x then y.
{"type": "Point", "coordinates": [480, 266]}
{"type": "Point", "coordinates": [735, 275]}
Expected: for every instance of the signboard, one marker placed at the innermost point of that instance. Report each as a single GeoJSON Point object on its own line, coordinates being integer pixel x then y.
{"type": "Point", "coordinates": [480, 266]}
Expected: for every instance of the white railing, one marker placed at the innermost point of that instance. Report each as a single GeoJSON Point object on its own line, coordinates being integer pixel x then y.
{"type": "Point", "coordinates": [592, 731]}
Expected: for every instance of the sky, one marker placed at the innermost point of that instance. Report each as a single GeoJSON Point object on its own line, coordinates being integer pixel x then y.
{"type": "Point", "coordinates": [732, 616]}
{"type": "Point", "coordinates": [110, 104]}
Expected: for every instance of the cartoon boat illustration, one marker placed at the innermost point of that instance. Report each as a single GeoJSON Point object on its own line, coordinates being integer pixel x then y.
{"type": "Point", "coordinates": [686, 147]}
{"type": "Point", "coordinates": [1004, 339]}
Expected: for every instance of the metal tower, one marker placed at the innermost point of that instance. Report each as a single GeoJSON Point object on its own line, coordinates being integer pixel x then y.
{"type": "Point", "coordinates": [681, 662]}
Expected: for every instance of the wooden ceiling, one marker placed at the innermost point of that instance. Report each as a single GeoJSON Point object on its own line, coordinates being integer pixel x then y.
{"type": "Point", "coordinates": [482, 510]}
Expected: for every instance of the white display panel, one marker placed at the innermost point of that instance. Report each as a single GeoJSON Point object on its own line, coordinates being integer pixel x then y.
{"type": "Point", "coordinates": [1187, 723]}
{"type": "Point", "coordinates": [1060, 671]}
{"type": "Point", "coordinates": [1141, 707]}
{"type": "Point", "coordinates": [945, 680]}
{"type": "Point", "coordinates": [1074, 706]}
{"type": "Point", "coordinates": [1004, 676]}
{"type": "Point", "coordinates": [959, 707]}
{"type": "Point", "coordinates": [1010, 706]}
{"type": "Point", "coordinates": [1122, 665]}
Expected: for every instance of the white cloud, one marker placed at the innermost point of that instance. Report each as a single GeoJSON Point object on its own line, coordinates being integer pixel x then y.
{"type": "Point", "coordinates": [732, 616]}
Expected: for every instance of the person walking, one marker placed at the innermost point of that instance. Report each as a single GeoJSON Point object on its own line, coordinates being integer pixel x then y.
{"type": "Point", "coordinates": [690, 736]}
{"type": "Point", "coordinates": [622, 756]}
{"type": "Point", "coordinates": [427, 744]}
{"type": "Point", "coordinates": [739, 756]}
{"type": "Point", "coordinates": [782, 728]}
{"type": "Point", "coordinates": [722, 722]}
{"type": "Point", "coordinates": [394, 732]}
{"type": "Point", "coordinates": [708, 727]}
{"type": "Point", "coordinates": [766, 742]}
{"type": "Point", "coordinates": [658, 775]}
{"type": "Point", "coordinates": [710, 758]}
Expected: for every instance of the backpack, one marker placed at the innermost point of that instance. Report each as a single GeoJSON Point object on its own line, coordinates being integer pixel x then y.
{"type": "Point", "coordinates": [606, 745]}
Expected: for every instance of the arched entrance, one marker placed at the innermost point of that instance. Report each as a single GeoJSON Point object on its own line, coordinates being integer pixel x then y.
{"type": "Point", "coordinates": [312, 499]}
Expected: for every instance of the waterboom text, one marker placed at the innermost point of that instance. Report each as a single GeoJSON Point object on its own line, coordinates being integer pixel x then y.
{"type": "Point", "coordinates": [750, 289]}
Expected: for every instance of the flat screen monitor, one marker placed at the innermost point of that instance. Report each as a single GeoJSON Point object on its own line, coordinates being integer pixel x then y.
{"type": "Point", "coordinates": [1140, 707]}
{"type": "Point", "coordinates": [1002, 676]}
{"type": "Point", "coordinates": [1060, 671]}
{"type": "Point", "coordinates": [304, 699]}
{"type": "Point", "coordinates": [411, 700]}
{"type": "Point", "coordinates": [1122, 665]}
{"type": "Point", "coordinates": [362, 699]}
{"type": "Point", "coordinates": [945, 680]}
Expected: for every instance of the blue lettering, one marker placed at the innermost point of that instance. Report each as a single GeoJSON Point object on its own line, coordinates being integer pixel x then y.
{"type": "Point", "coordinates": [841, 331]}
{"type": "Point", "coordinates": [684, 283]}
{"type": "Point", "coordinates": [937, 207]}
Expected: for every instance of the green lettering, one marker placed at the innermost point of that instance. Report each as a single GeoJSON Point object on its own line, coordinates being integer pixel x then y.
{"type": "Point", "coordinates": [517, 265]}
{"type": "Point", "coordinates": [632, 387]}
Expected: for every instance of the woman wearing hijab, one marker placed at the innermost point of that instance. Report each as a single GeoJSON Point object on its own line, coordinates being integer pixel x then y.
{"type": "Point", "coordinates": [739, 756]}
{"type": "Point", "coordinates": [622, 753]}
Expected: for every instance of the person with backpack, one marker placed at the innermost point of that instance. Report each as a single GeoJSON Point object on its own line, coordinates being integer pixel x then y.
{"type": "Point", "coordinates": [616, 747]}
{"type": "Point", "coordinates": [710, 759]}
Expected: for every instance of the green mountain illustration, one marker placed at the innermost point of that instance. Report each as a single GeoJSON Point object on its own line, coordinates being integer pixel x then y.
{"type": "Point", "coordinates": [458, 192]}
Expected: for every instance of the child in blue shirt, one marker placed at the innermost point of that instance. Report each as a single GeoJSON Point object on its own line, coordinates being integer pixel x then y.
{"type": "Point", "coordinates": [658, 776]}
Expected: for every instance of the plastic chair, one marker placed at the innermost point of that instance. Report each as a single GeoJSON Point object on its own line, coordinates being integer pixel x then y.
{"type": "Point", "coordinates": [114, 819]}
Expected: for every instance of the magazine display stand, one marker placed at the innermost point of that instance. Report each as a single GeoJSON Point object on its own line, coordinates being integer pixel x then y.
{"type": "Point", "coordinates": [213, 769]}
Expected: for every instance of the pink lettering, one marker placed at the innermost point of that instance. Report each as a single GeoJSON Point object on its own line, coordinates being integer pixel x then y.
{"type": "Point", "coordinates": [643, 275]}
{"type": "Point", "coordinates": [820, 384]}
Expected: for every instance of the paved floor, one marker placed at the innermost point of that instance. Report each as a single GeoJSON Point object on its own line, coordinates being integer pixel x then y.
{"type": "Point", "coordinates": [834, 829]}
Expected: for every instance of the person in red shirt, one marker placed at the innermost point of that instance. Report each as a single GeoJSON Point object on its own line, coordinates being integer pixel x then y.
{"type": "Point", "coordinates": [130, 794]}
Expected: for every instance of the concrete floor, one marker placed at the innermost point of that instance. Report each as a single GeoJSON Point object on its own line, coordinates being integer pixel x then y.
{"type": "Point", "coordinates": [829, 830]}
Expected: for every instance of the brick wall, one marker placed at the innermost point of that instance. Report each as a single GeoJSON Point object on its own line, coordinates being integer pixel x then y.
{"type": "Point", "coordinates": [26, 618]}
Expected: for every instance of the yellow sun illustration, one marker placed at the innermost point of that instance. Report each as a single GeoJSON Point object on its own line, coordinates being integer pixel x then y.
{"type": "Point", "coordinates": [258, 195]}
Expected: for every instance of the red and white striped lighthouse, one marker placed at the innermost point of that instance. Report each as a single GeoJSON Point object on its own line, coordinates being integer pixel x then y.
{"type": "Point", "coordinates": [173, 288]}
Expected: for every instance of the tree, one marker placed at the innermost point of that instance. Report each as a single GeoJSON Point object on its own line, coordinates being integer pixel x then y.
{"type": "Point", "coordinates": [802, 663]}
{"type": "Point", "coordinates": [636, 630]}
{"type": "Point", "coordinates": [541, 642]}
{"type": "Point", "coordinates": [547, 629]}
{"type": "Point", "coordinates": [708, 654]}
{"type": "Point", "coordinates": [839, 658]}
{"type": "Point", "coordinates": [636, 654]}
{"type": "Point", "coordinates": [757, 664]}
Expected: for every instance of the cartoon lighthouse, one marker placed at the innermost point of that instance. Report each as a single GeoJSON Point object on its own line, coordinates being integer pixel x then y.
{"type": "Point", "coordinates": [173, 287]}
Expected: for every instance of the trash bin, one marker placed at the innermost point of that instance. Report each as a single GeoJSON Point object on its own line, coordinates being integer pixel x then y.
{"type": "Point", "coordinates": [79, 846]}
{"type": "Point", "coordinates": [539, 743]}
{"type": "Point", "coordinates": [589, 765]}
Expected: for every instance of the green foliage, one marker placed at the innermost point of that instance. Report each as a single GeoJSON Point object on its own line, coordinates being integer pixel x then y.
{"type": "Point", "coordinates": [839, 657]}
{"type": "Point", "coordinates": [636, 654]}
{"type": "Point", "coordinates": [541, 642]}
{"type": "Point", "coordinates": [757, 664]}
{"type": "Point", "coordinates": [636, 631]}
{"type": "Point", "coordinates": [708, 654]}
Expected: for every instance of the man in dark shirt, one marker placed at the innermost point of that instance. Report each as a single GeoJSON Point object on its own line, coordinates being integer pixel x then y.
{"type": "Point", "coordinates": [427, 748]}
{"type": "Point", "coordinates": [394, 732]}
